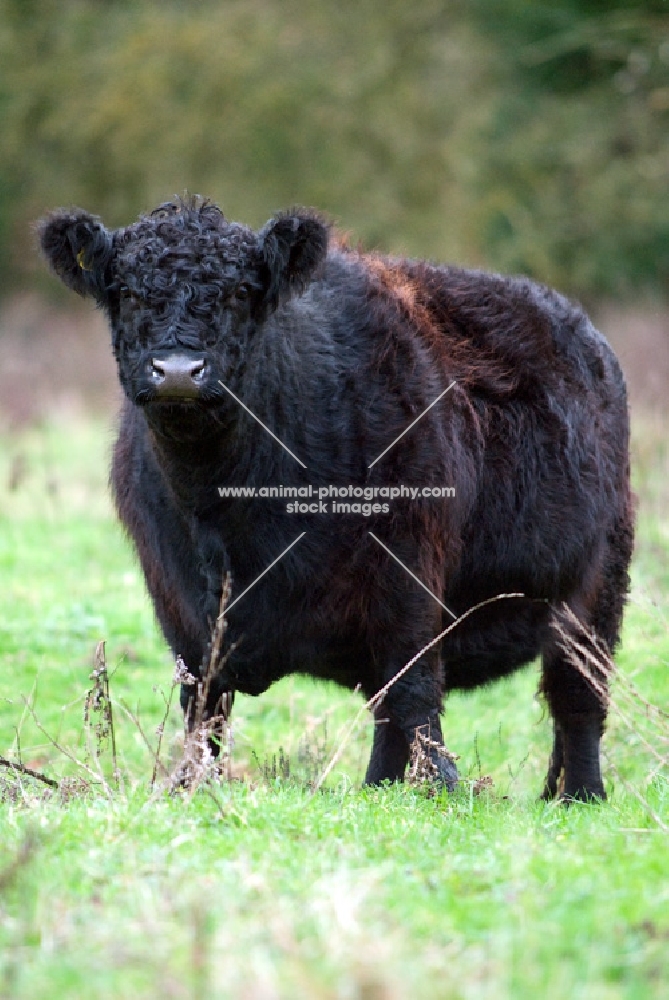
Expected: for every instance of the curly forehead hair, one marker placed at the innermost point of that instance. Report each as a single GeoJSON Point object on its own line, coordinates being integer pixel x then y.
{"type": "Point", "coordinates": [188, 240]}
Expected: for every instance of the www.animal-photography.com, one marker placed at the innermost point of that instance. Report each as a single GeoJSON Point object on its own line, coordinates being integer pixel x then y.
{"type": "Point", "coordinates": [333, 500]}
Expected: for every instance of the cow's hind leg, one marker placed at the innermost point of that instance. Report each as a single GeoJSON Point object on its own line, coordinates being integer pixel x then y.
{"type": "Point", "coordinates": [576, 688]}
{"type": "Point", "coordinates": [575, 682]}
{"type": "Point", "coordinates": [555, 766]}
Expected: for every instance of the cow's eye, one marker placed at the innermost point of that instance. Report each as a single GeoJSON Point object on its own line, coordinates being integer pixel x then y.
{"type": "Point", "coordinates": [144, 331]}
{"type": "Point", "coordinates": [130, 298]}
{"type": "Point", "coordinates": [242, 292]}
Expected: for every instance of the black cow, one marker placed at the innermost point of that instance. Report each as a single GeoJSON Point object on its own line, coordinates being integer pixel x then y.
{"type": "Point", "coordinates": [223, 334]}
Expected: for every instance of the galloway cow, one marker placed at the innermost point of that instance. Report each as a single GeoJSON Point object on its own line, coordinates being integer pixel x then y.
{"type": "Point", "coordinates": [284, 359]}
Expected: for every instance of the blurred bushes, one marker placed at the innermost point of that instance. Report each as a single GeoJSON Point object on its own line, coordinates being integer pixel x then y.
{"type": "Point", "coordinates": [573, 176]}
{"type": "Point", "coordinates": [520, 135]}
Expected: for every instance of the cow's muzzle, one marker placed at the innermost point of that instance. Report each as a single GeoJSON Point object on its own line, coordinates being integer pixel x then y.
{"type": "Point", "coordinates": [177, 376]}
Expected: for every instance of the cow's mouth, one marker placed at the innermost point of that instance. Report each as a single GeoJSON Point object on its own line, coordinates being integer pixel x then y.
{"type": "Point", "coordinates": [147, 396]}
{"type": "Point", "coordinates": [165, 400]}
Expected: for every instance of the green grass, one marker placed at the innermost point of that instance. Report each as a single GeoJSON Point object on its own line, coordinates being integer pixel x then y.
{"type": "Point", "coordinates": [262, 889]}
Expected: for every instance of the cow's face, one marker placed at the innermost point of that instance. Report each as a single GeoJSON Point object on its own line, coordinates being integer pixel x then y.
{"type": "Point", "coordinates": [184, 289]}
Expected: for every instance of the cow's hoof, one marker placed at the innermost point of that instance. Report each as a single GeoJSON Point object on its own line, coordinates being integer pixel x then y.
{"type": "Point", "coordinates": [447, 773]}
{"type": "Point", "coordinates": [593, 796]}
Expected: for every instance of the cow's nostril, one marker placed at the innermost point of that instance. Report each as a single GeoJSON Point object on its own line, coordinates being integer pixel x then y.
{"type": "Point", "coordinates": [198, 370]}
{"type": "Point", "coordinates": [157, 371]}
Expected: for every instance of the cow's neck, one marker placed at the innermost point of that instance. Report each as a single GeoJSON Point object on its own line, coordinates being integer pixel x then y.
{"type": "Point", "coordinates": [200, 451]}
{"type": "Point", "coordinates": [188, 442]}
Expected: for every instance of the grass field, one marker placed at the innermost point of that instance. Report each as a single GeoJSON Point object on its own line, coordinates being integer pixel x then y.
{"type": "Point", "coordinates": [258, 888]}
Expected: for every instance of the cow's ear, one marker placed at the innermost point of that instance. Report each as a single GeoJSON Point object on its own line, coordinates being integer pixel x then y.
{"type": "Point", "coordinates": [293, 245]}
{"type": "Point", "coordinates": [79, 249]}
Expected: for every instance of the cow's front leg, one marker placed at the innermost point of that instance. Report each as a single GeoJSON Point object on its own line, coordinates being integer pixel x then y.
{"type": "Point", "coordinates": [207, 694]}
{"type": "Point", "coordinates": [392, 745]}
{"type": "Point", "coordinates": [411, 705]}
{"type": "Point", "coordinates": [207, 702]}
{"type": "Point", "coordinates": [390, 751]}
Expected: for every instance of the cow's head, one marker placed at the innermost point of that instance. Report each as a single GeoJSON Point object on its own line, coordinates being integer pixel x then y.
{"type": "Point", "coordinates": [184, 289]}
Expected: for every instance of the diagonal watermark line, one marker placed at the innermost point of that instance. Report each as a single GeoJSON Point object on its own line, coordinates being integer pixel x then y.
{"type": "Point", "coordinates": [413, 575]}
{"type": "Point", "coordinates": [261, 575]}
{"type": "Point", "coordinates": [412, 424]}
{"type": "Point", "coordinates": [264, 426]}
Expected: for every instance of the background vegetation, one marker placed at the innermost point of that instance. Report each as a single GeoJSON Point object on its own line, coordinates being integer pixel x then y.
{"type": "Point", "coordinates": [529, 136]}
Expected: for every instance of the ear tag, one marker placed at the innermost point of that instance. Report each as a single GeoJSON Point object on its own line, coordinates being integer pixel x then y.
{"type": "Point", "coordinates": [80, 260]}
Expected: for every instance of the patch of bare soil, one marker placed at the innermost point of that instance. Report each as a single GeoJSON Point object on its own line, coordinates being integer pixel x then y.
{"type": "Point", "coordinates": [53, 359]}
{"type": "Point", "coordinates": [640, 337]}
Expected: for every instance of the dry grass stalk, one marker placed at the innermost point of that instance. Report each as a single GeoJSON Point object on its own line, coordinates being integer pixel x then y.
{"type": "Point", "coordinates": [198, 764]}
{"type": "Point", "coordinates": [584, 650]}
{"type": "Point", "coordinates": [180, 666]}
{"type": "Point", "coordinates": [422, 768]}
{"type": "Point", "coordinates": [637, 795]}
{"type": "Point", "coordinates": [483, 784]}
{"type": "Point", "coordinates": [98, 706]}
{"type": "Point", "coordinates": [21, 769]}
{"type": "Point", "coordinates": [155, 752]}
{"type": "Point", "coordinates": [96, 775]}
{"type": "Point", "coordinates": [303, 767]}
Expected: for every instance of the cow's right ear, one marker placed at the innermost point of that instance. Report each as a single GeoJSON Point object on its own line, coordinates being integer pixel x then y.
{"type": "Point", "coordinates": [79, 249]}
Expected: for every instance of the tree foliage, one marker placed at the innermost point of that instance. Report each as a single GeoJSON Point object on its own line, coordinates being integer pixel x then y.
{"type": "Point", "coordinates": [574, 155]}
{"type": "Point", "coordinates": [524, 136]}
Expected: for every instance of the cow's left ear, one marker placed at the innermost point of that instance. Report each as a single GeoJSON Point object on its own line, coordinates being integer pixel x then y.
{"type": "Point", "coordinates": [292, 244]}
{"type": "Point", "coordinates": [79, 249]}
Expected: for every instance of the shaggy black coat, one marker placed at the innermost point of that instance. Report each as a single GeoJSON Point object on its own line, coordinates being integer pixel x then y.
{"type": "Point", "coordinates": [337, 352]}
